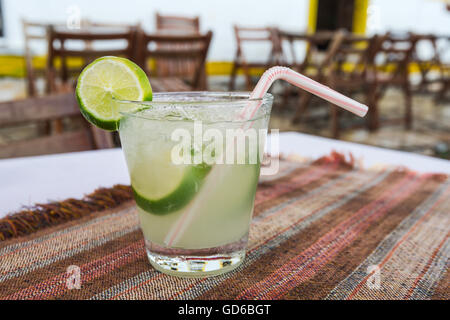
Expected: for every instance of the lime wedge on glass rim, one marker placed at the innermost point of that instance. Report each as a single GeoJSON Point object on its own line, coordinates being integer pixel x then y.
{"type": "Point", "coordinates": [105, 80]}
{"type": "Point", "coordinates": [159, 186]}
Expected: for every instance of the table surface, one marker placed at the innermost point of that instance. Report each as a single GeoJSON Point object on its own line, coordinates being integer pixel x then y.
{"type": "Point", "coordinates": [26, 181]}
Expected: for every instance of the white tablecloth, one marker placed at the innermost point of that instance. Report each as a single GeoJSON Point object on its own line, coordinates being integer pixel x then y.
{"type": "Point", "coordinates": [26, 181]}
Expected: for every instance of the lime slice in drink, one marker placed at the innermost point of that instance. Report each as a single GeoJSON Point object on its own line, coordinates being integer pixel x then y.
{"type": "Point", "coordinates": [105, 81]}
{"type": "Point", "coordinates": [161, 187]}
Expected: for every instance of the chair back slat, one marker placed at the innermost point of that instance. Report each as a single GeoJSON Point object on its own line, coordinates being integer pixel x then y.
{"type": "Point", "coordinates": [393, 54]}
{"type": "Point", "coordinates": [38, 109]}
{"type": "Point", "coordinates": [41, 110]}
{"type": "Point", "coordinates": [180, 53]}
{"type": "Point", "coordinates": [90, 54]}
{"type": "Point", "coordinates": [99, 33]}
{"type": "Point", "coordinates": [71, 141]}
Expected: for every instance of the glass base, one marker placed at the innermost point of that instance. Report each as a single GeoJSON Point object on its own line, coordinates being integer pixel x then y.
{"type": "Point", "coordinates": [196, 263]}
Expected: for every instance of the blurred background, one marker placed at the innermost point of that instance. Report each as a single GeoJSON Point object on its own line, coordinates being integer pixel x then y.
{"type": "Point", "coordinates": [391, 55]}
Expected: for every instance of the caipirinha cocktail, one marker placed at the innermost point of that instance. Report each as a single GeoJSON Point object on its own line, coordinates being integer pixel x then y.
{"type": "Point", "coordinates": [194, 212]}
{"type": "Point", "coordinates": [204, 208]}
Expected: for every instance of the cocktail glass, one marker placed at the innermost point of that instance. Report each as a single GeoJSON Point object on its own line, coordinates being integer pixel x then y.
{"type": "Point", "coordinates": [194, 165]}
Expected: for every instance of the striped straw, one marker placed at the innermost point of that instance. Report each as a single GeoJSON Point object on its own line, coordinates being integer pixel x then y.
{"type": "Point", "coordinates": [305, 83]}
{"type": "Point", "coordinates": [247, 113]}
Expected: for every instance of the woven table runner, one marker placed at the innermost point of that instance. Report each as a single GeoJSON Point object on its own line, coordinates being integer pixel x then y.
{"type": "Point", "coordinates": [320, 231]}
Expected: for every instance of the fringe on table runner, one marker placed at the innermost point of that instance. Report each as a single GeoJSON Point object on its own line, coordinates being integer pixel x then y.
{"type": "Point", "coordinates": [42, 216]}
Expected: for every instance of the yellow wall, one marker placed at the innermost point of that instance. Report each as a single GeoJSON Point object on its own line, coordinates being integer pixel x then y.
{"type": "Point", "coordinates": [360, 16]}
{"type": "Point", "coordinates": [312, 15]}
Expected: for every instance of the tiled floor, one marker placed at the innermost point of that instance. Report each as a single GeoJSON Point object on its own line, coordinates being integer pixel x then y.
{"type": "Point", "coordinates": [430, 134]}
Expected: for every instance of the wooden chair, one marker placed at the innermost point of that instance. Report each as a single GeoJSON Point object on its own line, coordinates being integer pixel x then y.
{"type": "Point", "coordinates": [177, 24]}
{"type": "Point", "coordinates": [425, 64]}
{"type": "Point", "coordinates": [40, 109]}
{"type": "Point", "coordinates": [253, 35]}
{"type": "Point", "coordinates": [33, 33]}
{"type": "Point", "coordinates": [309, 61]}
{"type": "Point", "coordinates": [315, 64]}
{"type": "Point", "coordinates": [59, 47]}
{"type": "Point", "coordinates": [37, 33]}
{"type": "Point", "coordinates": [392, 56]}
{"type": "Point", "coordinates": [437, 46]}
{"type": "Point", "coordinates": [315, 57]}
{"type": "Point", "coordinates": [156, 52]}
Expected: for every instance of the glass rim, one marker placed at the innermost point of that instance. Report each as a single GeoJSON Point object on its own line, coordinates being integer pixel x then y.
{"type": "Point", "coordinates": [219, 99]}
{"type": "Point", "coordinates": [240, 95]}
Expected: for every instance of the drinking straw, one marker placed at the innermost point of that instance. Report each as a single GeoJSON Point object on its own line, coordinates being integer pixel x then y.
{"type": "Point", "coordinates": [305, 83]}
{"type": "Point", "coordinates": [261, 88]}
